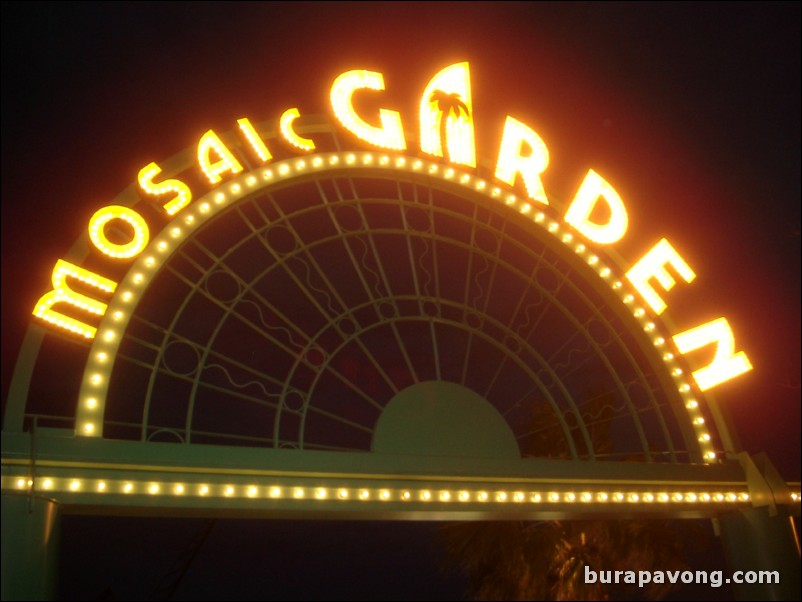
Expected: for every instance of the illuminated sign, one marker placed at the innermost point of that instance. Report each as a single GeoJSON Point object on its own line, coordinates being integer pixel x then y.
{"type": "Point", "coordinates": [446, 121]}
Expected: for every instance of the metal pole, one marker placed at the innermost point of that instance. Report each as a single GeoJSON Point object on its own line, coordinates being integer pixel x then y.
{"type": "Point", "coordinates": [755, 541]}
{"type": "Point", "coordinates": [31, 528]}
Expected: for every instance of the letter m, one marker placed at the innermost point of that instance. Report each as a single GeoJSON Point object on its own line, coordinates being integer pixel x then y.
{"type": "Point", "coordinates": [62, 294]}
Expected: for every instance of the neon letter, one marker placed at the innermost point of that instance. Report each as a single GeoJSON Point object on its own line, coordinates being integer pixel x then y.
{"type": "Point", "coordinates": [183, 195]}
{"type": "Point", "coordinates": [97, 232]}
{"type": "Point", "coordinates": [446, 116]}
{"type": "Point", "coordinates": [285, 126]}
{"type": "Point", "coordinates": [390, 135]}
{"type": "Point", "coordinates": [227, 162]}
{"type": "Point", "coordinates": [593, 188]}
{"type": "Point", "coordinates": [257, 144]}
{"type": "Point", "coordinates": [511, 161]}
{"type": "Point", "coordinates": [653, 265]}
{"type": "Point", "coordinates": [62, 293]}
{"type": "Point", "coordinates": [726, 363]}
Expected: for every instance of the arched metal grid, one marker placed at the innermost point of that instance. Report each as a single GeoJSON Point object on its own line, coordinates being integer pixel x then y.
{"type": "Point", "coordinates": [291, 316]}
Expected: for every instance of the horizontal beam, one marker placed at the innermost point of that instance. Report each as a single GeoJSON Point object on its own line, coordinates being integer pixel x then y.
{"type": "Point", "coordinates": [161, 479]}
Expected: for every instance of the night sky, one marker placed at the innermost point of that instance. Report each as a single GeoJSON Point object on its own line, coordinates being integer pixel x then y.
{"type": "Point", "coordinates": [691, 111]}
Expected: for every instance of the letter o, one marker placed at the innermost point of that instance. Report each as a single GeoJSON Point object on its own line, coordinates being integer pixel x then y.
{"type": "Point", "coordinates": [97, 232]}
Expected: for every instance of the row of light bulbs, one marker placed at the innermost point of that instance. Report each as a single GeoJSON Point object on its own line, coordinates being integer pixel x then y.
{"type": "Point", "coordinates": [382, 494]}
{"type": "Point", "coordinates": [106, 344]}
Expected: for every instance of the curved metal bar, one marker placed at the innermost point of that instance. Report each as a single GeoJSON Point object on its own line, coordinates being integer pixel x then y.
{"type": "Point", "coordinates": [436, 238]}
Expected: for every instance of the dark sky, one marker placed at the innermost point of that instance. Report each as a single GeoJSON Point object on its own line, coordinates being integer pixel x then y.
{"type": "Point", "coordinates": [691, 110]}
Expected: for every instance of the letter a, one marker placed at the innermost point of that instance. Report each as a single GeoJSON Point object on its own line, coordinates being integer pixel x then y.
{"type": "Point", "coordinates": [446, 116]}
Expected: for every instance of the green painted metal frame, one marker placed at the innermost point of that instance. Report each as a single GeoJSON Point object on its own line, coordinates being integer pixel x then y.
{"type": "Point", "coordinates": [244, 482]}
{"type": "Point", "coordinates": [30, 460]}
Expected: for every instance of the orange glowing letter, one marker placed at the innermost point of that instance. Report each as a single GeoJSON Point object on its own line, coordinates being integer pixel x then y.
{"type": "Point", "coordinates": [593, 189]}
{"type": "Point", "coordinates": [226, 162]}
{"type": "Point", "coordinates": [446, 116]}
{"type": "Point", "coordinates": [652, 265]}
{"type": "Point", "coordinates": [62, 293]}
{"type": "Point", "coordinates": [390, 134]}
{"type": "Point", "coordinates": [726, 363]}
{"type": "Point", "coordinates": [183, 195]}
{"type": "Point", "coordinates": [513, 161]}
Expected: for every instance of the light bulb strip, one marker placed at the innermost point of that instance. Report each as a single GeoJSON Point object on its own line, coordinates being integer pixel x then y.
{"type": "Point", "coordinates": [135, 283]}
{"type": "Point", "coordinates": [379, 494]}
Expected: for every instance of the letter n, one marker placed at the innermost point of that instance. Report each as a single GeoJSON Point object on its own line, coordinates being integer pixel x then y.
{"type": "Point", "coordinates": [726, 363]}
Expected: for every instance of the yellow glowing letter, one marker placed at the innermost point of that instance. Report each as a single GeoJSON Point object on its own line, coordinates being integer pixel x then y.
{"type": "Point", "coordinates": [97, 232]}
{"type": "Point", "coordinates": [62, 293]}
{"type": "Point", "coordinates": [726, 364]}
{"type": "Point", "coordinates": [227, 161]}
{"type": "Point", "coordinates": [446, 116]}
{"type": "Point", "coordinates": [512, 161]}
{"type": "Point", "coordinates": [183, 195]}
{"type": "Point", "coordinates": [285, 126]}
{"type": "Point", "coordinates": [390, 135]}
{"type": "Point", "coordinates": [653, 265]}
{"type": "Point", "coordinates": [593, 188]}
{"type": "Point", "coordinates": [257, 144]}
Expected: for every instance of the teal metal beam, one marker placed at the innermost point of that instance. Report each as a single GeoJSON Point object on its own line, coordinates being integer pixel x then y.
{"type": "Point", "coordinates": [163, 479]}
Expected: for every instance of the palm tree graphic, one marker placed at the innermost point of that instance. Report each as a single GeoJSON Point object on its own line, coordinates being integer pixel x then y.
{"type": "Point", "coordinates": [447, 104]}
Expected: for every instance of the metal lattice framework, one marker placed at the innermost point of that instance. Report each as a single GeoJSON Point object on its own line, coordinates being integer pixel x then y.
{"type": "Point", "coordinates": [294, 317]}
{"type": "Point", "coordinates": [288, 307]}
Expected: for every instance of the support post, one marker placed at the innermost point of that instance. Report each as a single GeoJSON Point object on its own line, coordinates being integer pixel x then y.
{"type": "Point", "coordinates": [31, 529]}
{"type": "Point", "coordinates": [755, 541]}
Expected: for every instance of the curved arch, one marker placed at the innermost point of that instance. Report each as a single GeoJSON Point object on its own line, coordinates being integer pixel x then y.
{"type": "Point", "coordinates": [294, 171]}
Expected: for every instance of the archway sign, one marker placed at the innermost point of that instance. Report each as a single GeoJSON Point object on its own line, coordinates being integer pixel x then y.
{"type": "Point", "coordinates": [321, 317]}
